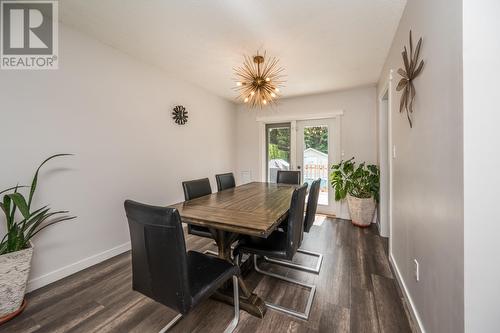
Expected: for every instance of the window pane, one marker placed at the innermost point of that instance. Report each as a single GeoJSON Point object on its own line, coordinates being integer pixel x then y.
{"type": "Point", "coordinates": [316, 159]}
{"type": "Point", "coordinates": [278, 149]}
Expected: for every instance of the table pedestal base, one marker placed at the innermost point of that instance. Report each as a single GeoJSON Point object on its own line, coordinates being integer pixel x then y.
{"type": "Point", "coordinates": [253, 304]}
{"type": "Point", "coordinates": [249, 301]}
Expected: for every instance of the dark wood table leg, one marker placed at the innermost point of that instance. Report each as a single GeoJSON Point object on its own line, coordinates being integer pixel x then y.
{"type": "Point", "coordinates": [246, 266]}
{"type": "Point", "coordinates": [249, 301]}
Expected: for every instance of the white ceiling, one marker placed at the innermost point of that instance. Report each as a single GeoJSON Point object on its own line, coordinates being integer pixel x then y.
{"type": "Point", "coordinates": [324, 45]}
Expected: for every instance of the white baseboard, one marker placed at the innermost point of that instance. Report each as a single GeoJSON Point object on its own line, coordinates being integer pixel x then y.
{"type": "Point", "coordinates": [62, 272]}
{"type": "Point", "coordinates": [406, 294]}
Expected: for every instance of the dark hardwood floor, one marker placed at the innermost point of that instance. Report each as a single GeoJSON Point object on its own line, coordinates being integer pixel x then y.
{"type": "Point", "coordinates": [356, 292]}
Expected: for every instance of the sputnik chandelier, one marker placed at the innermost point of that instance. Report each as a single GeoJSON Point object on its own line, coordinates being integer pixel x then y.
{"type": "Point", "coordinates": [259, 80]}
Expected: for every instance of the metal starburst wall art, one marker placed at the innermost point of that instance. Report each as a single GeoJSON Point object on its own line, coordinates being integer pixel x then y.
{"type": "Point", "coordinates": [411, 71]}
{"type": "Point", "coordinates": [180, 115]}
{"type": "Point", "coordinates": [258, 80]}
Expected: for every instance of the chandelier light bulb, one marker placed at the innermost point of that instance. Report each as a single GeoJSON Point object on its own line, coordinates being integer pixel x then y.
{"type": "Point", "coordinates": [276, 89]}
{"type": "Point", "coordinates": [268, 79]}
{"type": "Point", "coordinates": [252, 93]}
{"type": "Point", "coordinates": [246, 99]}
{"type": "Point", "coordinates": [264, 101]}
{"type": "Point", "coordinates": [273, 95]}
{"type": "Point", "coordinates": [238, 84]}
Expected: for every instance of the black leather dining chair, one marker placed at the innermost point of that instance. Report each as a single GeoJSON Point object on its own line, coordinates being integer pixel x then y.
{"type": "Point", "coordinates": [281, 245]}
{"type": "Point", "coordinates": [288, 177]}
{"type": "Point", "coordinates": [194, 189]}
{"type": "Point", "coordinates": [225, 181]}
{"type": "Point", "coordinates": [312, 205]}
{"type": "Point", "coordinates": [164, 272]}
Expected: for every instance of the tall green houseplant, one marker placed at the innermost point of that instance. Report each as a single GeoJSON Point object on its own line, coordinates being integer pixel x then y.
{"type": "Point", "coordinates": [22, 224]}
{"type": "Point", "coordinates": [360, 184]}
{"type": "Point", "coordinates": [31, 222]}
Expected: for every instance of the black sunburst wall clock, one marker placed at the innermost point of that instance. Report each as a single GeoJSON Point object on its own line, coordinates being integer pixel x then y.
{"type": "Point", "coordinates": [180, 115]}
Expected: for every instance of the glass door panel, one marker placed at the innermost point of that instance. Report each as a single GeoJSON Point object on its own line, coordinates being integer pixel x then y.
{"type": "Point", "coordinates": [315, 158]}
{"type": "Point", "coordinates": [277, 149]}
{"type": "Point", "coordinates": [317, 149]}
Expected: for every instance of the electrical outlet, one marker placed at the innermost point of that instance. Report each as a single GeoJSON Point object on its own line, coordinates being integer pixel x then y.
{"type": "Point", "coordinates": [393, 151]}
{"type": "Point", "coordinates": [416, 270]}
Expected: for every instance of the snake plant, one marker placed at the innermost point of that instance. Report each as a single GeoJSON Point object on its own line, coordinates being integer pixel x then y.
{"type": "Point", "coordinates": [23, 222]}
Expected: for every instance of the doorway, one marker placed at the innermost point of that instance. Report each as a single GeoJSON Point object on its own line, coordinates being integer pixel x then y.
{"type": "Point", "coordinates": [311, 145]}
{"type": "Point", "coordinates": [317, 148]}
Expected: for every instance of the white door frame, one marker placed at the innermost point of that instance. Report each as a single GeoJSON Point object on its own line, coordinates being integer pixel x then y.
{"type": "Point", "coordinates": [264, 120]}
{"type": "Point", "coordinates": [386, 217]}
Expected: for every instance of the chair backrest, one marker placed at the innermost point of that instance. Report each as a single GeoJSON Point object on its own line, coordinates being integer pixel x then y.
{"type": "Point", "coordinates": [159, 261]}
{"type": "Point", "coordinates": [225, 181]}
{"type": "Point", "coordinates": [288, 177]}
{"type": "Point", "coordinates": [295, 228]}
{"type": "Point", "coordinates": [196, 188]}
{"type": "Point", "coordinates": [312, 204]}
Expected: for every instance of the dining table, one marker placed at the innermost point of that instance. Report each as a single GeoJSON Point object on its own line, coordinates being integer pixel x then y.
{"type": "Point", "coordinates": [253, 209]}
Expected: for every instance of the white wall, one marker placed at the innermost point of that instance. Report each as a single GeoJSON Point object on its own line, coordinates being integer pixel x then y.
{"type": "Point", "coordinates": [481, 164]}
{"type": "Point", "coordinates": [427, 172]}
{"type": "Point", "coordinates": [358, 126]}
{"type": "Point", "coordinates": [114, 114]}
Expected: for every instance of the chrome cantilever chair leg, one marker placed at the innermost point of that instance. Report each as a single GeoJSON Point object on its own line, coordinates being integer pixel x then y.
{"type": "Point", "coordinates": [236, 318]}
{"type": "Point", "coordinates": [315, 269]}
{"type": "Point", "coordinates": [302, 315]}
{"type": "Point", "coordinates": [171, 323]}
{"type": "Point", "coordinates": [230, 328]}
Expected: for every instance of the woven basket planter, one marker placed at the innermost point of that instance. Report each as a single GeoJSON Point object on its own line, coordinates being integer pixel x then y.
{"type": "Point", "coordinates": [361, 210]}
{"type": "Point", "coordinates": [14, 272]}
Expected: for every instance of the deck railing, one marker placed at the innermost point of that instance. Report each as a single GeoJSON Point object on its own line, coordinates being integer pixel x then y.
{"type": "Point", "coordinates": [315, 171]}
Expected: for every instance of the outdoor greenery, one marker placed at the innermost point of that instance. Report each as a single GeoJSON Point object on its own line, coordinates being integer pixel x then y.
{"type": "Point", "coordinates": [276, 153]}
{"type": "Point", "coordinates": [279, 141]}
{"type": "Point", "coordinates": [22, 222]}
{"type": "Point", "coordinates": [317, 138]}
{"type": "Point", "coordinates": [360, 181]}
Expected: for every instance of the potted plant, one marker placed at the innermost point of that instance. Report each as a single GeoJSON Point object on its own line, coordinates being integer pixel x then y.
{"type": "Point", "coordinates": [22, 224]}
{"type": "Point", "coordinates": [360, 185]}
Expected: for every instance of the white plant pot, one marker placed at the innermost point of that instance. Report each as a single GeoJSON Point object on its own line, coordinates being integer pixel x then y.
{"type": "Point", "coordinates": [14, 271]}
{"type": "Point", "coordinates": [361, 210]}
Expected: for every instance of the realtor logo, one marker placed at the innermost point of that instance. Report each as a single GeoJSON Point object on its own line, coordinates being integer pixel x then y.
{"type": "Point", "coordinates": [28, 34]}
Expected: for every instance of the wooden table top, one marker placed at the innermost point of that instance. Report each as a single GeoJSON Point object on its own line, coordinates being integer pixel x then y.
{"type": "Point", "coordinates": [254, 209]}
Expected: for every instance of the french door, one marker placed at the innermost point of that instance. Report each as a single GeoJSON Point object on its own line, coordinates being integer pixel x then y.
{"type": "Point", "coordinates": [317, 148]}
{"type": "Point", "coordinates": [311, 146]}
